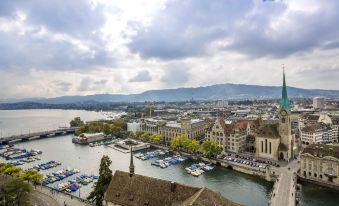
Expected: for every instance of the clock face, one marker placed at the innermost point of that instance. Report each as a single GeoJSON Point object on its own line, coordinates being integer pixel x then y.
{"type": "Point", "coordinates": [283, 113]}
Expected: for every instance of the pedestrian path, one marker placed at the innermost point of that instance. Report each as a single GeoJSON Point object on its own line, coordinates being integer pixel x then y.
{"type": "Point", "coordinates": [62, 199]}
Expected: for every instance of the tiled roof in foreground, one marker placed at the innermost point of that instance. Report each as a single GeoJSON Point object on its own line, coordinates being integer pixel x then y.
{"type": "Point", "coordinates": [142, 190]}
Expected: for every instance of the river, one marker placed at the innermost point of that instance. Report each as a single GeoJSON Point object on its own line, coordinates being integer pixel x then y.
{"type": "Point", "coordinates": [241, 188]}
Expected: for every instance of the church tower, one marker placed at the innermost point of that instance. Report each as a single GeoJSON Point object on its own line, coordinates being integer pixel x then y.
{"type": "Point", "coordinates": [286, 144]}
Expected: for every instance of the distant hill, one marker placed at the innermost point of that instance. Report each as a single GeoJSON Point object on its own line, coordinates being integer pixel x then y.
{"type": "Point", "coordinates": [214, 92]}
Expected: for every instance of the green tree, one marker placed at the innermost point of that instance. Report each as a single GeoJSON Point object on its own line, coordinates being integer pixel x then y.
{"type": "Point", "coordinates": [12, 170]}
{"type": "Point", "coordinates": [175, 143]}
{"type": "Point", "coordinates": [105, 176]}
{"type": "Point", "coordinates": [181, 142]}
{"type": "Point", "coordinates": [31, 176]}
{"type": "Point", "coordinates": [155, 138]}
{"type": "Point", "coordinates": [76, 122]}
{"type": "Point", "coordinates": [3, 167]}
{"type": "Point", "coordinates": [193, 146]}
{"type": "Point", "coordinates": [107, 129]}
{"type": "Point", "coordinates": [16, 192]}
{"type": "Point", "coordinates": [138, 134]}
{"type": "Point", "coordinates": [145, 137]}
{"type": "Point", "coordinates": [211, 148]}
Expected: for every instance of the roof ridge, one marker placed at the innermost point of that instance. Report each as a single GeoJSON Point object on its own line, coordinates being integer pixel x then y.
{"type": "Point", "coordinates": [195, 196]}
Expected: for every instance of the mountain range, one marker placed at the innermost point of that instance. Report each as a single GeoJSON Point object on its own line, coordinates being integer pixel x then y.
{"type": "Point", "coordinates": [213, 92]}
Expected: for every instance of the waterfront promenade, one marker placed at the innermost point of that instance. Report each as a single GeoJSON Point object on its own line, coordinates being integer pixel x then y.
{"type": "Point", "coordinates": [60, 198]}
{"type": "Point", "coordinates": [283, 193]}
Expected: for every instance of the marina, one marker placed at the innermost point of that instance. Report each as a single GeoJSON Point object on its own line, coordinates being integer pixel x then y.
{"type": "Point", "coordinates": [168, 161]}
{"type": "Point", "coordinates": [231, 184]}
{"type": "Point", "coordinates": [151, 155]}
{"type": "Point", "coordinates": [198, 169]}
{"type": "Point", "coordinates": [58, 176]}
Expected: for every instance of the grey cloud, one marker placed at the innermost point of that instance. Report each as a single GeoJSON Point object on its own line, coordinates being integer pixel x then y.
{"type": "Point", "coordinates": [176, 74]}
{"type": "Point", "coordinates": [89, 84]}
{"type": "Point", "coordinates": [65, 86]}
{"type": "Point", "coordinates": [31, 50]}
{"type": "Point", "coordinates": [101, 82]}
{"type": "Point", "coordinates": [62, 16]}
{"type": "Point", "coordinates": [331, 45]}
{"type": "Point", "coordinates": [187, 28]}
{"type": "Point", "coordinates": [85, 84]}
{"type": "Point", "coordinates": [142, 76]}
{"type": "Point", "coordinates": [78, 19]}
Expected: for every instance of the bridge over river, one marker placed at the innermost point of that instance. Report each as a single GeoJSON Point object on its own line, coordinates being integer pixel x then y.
{"type": "Point", "coordinates": [37, 135]}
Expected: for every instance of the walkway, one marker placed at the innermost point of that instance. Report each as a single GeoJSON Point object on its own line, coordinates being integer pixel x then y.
{"type": "Point", "coordinates": [40, 199]}
{"type": "Point", "coordinates": [62, 199]}
{"type": "Point", "coordinates": [284, 189]}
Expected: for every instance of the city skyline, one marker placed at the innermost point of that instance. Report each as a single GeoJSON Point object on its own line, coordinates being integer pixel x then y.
{"type": "Point", "coordinates": [95, 47]}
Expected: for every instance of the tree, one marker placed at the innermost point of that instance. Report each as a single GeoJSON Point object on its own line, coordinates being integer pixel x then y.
{"type": "Point", "coordinates": [179, 143]}
{"type": "Point", "coordinates": [12, 170]}
{"type": "Point", "coordinates": [211, 148]}
{"type": "Point", "coordinates": [31, 176]}
{"type": "Point", "coordinates": [105, 176]}
{"type": "Point", "coordinates": [76, 122]}
{"type": "Point", "coordinates": [193, 146]}
{"type": "Point", "coordinates": [145, 137]}
{"type": "Point", "coordinates": [139, 134]}
{"type": "Point", "coordinates": [155, 138]}
{"type": "Point", "coordinates": [16, 192]}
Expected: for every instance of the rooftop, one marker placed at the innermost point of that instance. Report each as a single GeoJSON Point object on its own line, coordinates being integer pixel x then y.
{"type": "Point", "coordinates": [139, 190]}
{"type": "Point", "coordinates": [322, 150]}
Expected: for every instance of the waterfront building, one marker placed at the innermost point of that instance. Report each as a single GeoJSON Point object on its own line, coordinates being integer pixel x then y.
{"type": "Point", "coordinates": [130, 189]}
{"type": "Point", "coordinates": [232, 136]}
{"type": "Point", "coordinates": [318, 102]}
{"type": "Point", "coordinates": [133, 126]}
{"type": "Point", "coordinates": [320, 164]}
{"type": "Point", "coordinates": [319, 129]}
{"type": "Point", "coordinates": [192, 128]}
{"type": "Point", "coordinates": [275, 141]}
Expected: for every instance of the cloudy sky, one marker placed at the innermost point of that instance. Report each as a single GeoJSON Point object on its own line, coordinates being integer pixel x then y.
{"type": "Point", "coordinates": [62, 47]}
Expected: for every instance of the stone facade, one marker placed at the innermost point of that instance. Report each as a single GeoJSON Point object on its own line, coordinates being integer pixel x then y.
{"type": "Point", "coordinates": [320, 163]}
{"type": "Point", "coordinates": [192, 128]}
{"type": "Point", "coordinates": [232, 137]}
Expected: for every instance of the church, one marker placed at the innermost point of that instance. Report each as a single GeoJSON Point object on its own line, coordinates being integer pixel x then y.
{"type": "Point", "coordinates": [275, 141]}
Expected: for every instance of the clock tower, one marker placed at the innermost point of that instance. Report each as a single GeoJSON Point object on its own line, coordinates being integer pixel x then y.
{"type": "Point", "coordinates": [285, 124]}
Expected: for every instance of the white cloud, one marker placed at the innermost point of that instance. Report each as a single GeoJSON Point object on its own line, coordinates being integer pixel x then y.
{"type": "Point", "coordinates": [102, 46]}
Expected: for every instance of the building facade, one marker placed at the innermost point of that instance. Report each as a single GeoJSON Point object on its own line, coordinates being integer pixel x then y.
{"type": "Point", "coordinates": [232, 137]}
{"type": "Point", "coordinates": [320, 163]}
{"type": "Point", "coordinates": [192, 128]}
{"type": "Point", "coordinates": [318, 102]}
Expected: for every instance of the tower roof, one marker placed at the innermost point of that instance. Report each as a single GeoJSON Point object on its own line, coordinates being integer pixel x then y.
{"type": "Point", "coordinates": [284, 104]}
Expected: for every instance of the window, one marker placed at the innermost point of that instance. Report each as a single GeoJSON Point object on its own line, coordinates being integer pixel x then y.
{"type": "Point", "coordinates": [262, 146]}
{"type": "Point", "coordinates": [283, 120]}
{"type": "Point", "coordinates": [265, 145]}
{"type": "Point", "coordinates": [270, 148]}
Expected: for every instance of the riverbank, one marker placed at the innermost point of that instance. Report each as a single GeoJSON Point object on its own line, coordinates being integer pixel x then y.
{"type": "Point", "coordinates": [229, 183]}
{"type": "Point", "coordinates": [263, 174]}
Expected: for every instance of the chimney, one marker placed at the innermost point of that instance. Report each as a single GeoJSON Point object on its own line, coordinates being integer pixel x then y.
{"type": "Point", "coordinates": [173, 186]}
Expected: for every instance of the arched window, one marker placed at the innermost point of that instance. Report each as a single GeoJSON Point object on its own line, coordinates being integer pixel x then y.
{"type": "Point", "coordinates": [283, 120]}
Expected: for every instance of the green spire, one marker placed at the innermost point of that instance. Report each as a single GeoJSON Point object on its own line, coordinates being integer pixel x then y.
{"type": "Point", "coordinates": [284, 104]}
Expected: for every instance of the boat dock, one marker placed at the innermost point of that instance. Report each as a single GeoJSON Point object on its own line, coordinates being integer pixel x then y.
{"type": "Point", "coordinates": [198, 169]}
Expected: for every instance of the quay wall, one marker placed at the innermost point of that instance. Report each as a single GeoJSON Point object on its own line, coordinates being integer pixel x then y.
{"type": "Point", "coordinates": [313, 181]}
